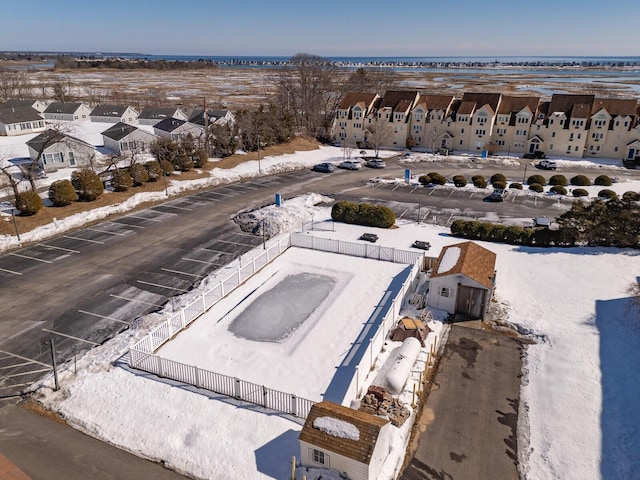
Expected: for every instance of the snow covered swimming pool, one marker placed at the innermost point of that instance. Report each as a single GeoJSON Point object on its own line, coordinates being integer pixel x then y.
{"type": "Point", "coordinates": [278, 312]}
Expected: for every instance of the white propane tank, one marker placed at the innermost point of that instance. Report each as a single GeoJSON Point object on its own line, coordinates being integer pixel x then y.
{"type": "Point", "coordinates": [398, 367]}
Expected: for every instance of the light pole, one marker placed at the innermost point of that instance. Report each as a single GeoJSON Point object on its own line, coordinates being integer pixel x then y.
{"type": "Point", "coordinates": [525, 173]}
{"type": "Point", "coordinates": [264, 244]}
{"type": "Point", "coordinates": [419, 207]}
{"type": "Point", "coordinates": [164, 178]}
{"type": "Point", "coordinates": [52, 345]}
{"type": "Point", "coordinates": [15, 224]}
{"type": "Point", "coordinates": [259, 169]}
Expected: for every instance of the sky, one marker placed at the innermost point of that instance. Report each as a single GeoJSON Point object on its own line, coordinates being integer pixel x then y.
{"type": "Point", "coordinates": [330, 28]}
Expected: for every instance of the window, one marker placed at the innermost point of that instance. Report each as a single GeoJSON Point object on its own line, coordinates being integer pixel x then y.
{"type": "Point", "coordinates": [579, 136]}
{"type": "Point", "coordinates": [502, 131]}
{"type": "Point", "coordinates": [50, 158]}
{"type": "Point", "coordinates": [600, 123]}
{"type": "Point", "coordinates": [482, 120]}
{"type": "Point", "coordinates": [480, 133]}
{"type": "Point", "coordinates": [521, 132]}
{"type": "Point", "coordinates": [319, 457]}
{"type": "Point", "coordinates": [597, 136]}
{"type": "Point", "coordinates": [571, 137]}
{"type": "Point", "coordinates": [72, 160]}
{"type": "Point", "coordinates": [444, 291]}
{"type": "Point", "coordinates": [523, 120]}
{"type": "Point", "coordinates": [553, 134]}
{"type": "Point", "coordinates": [576, 149]}
{"type": "Point", "coordinates": [501, 143]}
{"type": "Point", "coordinates": [462, 130]}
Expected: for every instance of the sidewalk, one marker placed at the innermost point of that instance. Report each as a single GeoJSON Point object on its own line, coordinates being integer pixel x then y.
{"type": "Point", "coordinates": [8, 471]}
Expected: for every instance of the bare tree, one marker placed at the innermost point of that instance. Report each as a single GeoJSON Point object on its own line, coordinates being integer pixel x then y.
{"type": "Point", "coordinates": [13, 84]}
{"type": "Point", "coordinates": [633, 290]}
{"type": "Point", "coordinates": [433, 135]}
{"type": "Point", "coordinates": [372, 80]}
{"type": "Point", "coordinates": [378, 134]}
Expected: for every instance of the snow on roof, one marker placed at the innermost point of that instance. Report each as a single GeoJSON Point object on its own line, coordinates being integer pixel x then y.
{"type": "Point", "coordinates": [449, 259]}
{"type": "Point", "coordinates": [337, 428]}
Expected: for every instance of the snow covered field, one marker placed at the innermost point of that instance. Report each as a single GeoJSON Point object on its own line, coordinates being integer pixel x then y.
{"type": "Point", "coordinates": [579, 416]}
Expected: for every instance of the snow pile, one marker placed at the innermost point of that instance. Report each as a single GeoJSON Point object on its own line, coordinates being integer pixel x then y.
{"type": "Point", "coordinates": [449, 259]}
{"type": "Point", "coordinates": [337, 428]}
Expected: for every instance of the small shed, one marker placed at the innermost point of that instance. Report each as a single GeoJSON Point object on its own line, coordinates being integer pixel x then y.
{"type": "Point", "coordinates": [345, 440]}
{"type": "Point", "coordinates": [409, 327]}
{"type": "Point", "coordinates": [462, 280]}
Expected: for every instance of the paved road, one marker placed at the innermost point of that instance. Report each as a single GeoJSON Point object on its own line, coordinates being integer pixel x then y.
{"type": "Point", "coordinates": [46, 450]}
{"type": "Point", "coordinates": [469, 421]}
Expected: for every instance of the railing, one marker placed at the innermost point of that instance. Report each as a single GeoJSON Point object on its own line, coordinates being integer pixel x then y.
{"type": "Point", "coordinates": [222, 384]}
{"type": "Point", "coordinates": [364, 250]}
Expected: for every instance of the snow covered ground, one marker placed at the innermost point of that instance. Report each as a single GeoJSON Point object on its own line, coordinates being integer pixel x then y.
{"type": "Point", "coordinates": [579, 417]}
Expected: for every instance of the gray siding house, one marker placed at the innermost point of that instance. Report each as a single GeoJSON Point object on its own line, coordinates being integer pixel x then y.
{"type": "Point", "coordinates": [114, 114]}
{"type": "Point", "coordinates": [20, 121]}
{"type": "Point", "coordinates": [56, 150]}
{"type": "Point", "coordinates": [154, 115]}
{"type": "Point", "coordinates": [68, 112]}
{"type": "Point", "coordinates": [176, 129]}
{"type": "Point", "coordinates": [125, 139]}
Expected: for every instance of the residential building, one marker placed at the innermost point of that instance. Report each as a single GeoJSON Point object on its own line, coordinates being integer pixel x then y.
{"type": "Point", "coordinates": [54, 150]}
{"type": "Point", "coordinates": [125, 139]}
{"type": "Point", "coordinates": [20, 121]}
{"type": "Point", "coordinates": [176, 129]}
{"type": "Point", "coordinates": [67, 111]}
{"type": "Point", "coordinates": [350, 118]}
{"type": "Point", "coordinates": [390, 118]}
{"type": "Point", "coordinates": [216, 117]}
{"type": "Point", "coordinates": [38, 105]}
{"type": "Point", "coordinates": [610, 127]}
{"type": "Point", "coordinates": [154, 115]}
{"type": "Point", "coordinates": [514, 118]}
{"type": "Point", "coordinates": [114, 114]}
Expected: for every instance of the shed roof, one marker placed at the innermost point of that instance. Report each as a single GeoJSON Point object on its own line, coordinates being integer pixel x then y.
{"type": "Point", "coordinates": [360, 450]}
{"type": "Point", "coordinates": [474, 262]}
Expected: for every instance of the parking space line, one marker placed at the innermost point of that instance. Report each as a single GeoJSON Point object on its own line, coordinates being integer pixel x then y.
{"type": "Point", "coordinates": [223, 194]}
{"type": "Point", "coordinates": [9, 271]}
{"type": "Point", "coordinates": [215, 251]}
{"type": "Point", "coordinates": [182, 273]}
{"type": "Point", "coordinates": [15, 385]}
{"type": "Point", "coordinates": [200, 261]}
{"type": "Point", "coordinates": [145, 218]}
{"type": "Point", "coordinates": [155, 209]}
{"type": "Point", "coordinates": [236, 243]}
{"type": "Point", "coordinates": [135, 300]}
{"type": "Point", "coordinates": [22, 374]}
{"type": "Point", "coordinates": [104, 316]}
{"type": "Point", "coordinates": [30, 258]}
{"type": "Point", "coordinates": [83, 239]}
{"type": "Point", "coordinates": [14, 355]}
{"type": "Point", "coordinates": [122, 224]}
{"type": "Point", "coordinates": [162, 286]}
{"type": "Point", "coordinates": [69, 336]}
{"type": "Point", "coordinates": [15, 365]}
{"type": "Point", "coordinates": [179, 208]}
{"type": "Point", "coordinates": [246, 234]}
{"type": "Point", "coordinates": [46, 245]}
{"type": "Point", "coordinates": [107, 232]}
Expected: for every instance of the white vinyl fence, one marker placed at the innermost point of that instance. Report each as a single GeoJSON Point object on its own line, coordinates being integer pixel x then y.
{"type": "Point", "coordinates": [142, 355]}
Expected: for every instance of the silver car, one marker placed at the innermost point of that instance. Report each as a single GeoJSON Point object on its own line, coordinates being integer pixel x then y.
{"type": "Point", "coordinates": [350, 165]}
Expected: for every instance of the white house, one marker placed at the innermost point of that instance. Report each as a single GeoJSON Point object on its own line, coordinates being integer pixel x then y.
{"type": "Point", "coordinates": [175, 129]}
{"type": "Point", "coordinates": [114, 114]}
{"type": "Point", "coordinates": [462, 280]}
{"type": "Point", "coordinates": [55, 150]}
{"type": "Point", "coordinates": [345, 440]}
{"type": "Point", "coordinates": [125, 139]}
{"type": "Point", "coordinates": [20, 121]}
{"type": "Point", "coordinates": [216, 117]}
{"type": "Point", "coordinates": [38, 105]}
{"type": "Point", "coordinates": [153, 115]}
{"type": "Point", "coordinates": [67, 111]}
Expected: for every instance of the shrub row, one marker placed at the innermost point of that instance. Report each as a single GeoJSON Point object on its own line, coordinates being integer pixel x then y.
{"type": "Point", "coordinates": [363, 214]}
{"type": "Point", "coordinates": [514, 235]}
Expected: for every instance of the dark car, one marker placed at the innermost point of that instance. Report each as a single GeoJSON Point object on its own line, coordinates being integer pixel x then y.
{"type": "Point", "coordinates": [369, 237]}
{"type": "Point", "coordinates": [421, 245]}
{"type": "Point", "coordinates": [535, 155]}
{"type": "Point", "coordinates": [324, 167]}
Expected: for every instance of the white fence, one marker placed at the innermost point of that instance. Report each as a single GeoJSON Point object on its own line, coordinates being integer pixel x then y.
{"type": "Point", "coordinates": [142, 353]}
{"type": "Point", "coordinates": [364, 250]}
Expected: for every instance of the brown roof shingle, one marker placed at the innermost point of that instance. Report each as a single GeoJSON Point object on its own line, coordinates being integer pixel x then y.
{"type": "Point", "coordinates": [474, 262]}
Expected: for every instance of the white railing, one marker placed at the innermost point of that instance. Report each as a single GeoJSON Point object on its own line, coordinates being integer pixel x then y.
{"type": "Point", "coordinates": [364, 250]}
{"type": "Point", "coordinates": [223, 384]}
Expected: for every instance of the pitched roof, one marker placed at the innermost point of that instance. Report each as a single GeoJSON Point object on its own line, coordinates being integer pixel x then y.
{"type": "Point", "coordinates": [393, 98]}
{"type": "Point", "coordinates": [565, 102]}
{"type": "Point", "coordinates": [437, 102]}
{"type": "Point", "coordinates": [18, 114]}
{"type": "Point", "coordinates": [108, 111]}
{"type": "Point", "coordinates": [474, 262]}
{"type": "Point", "coordinates": [368, 426]}
{"type": "Point", "coordinates": [17, 103]}
{"type": "Point", "coordinates": [616, 106]}
{"type": "Point", "coordinates": [352, 99]}
{"type": "Point", "coordinates": [119, 131]}
{"type": "Point", "coordinates": [157, 113]}
{"type": "Point", "coordinates": [169, 124]}
{"type": "Point", "coordinates": [466, 108]}
{"type": "Point", "coordinates": [511, 104]}
{"type": "Point", "coordinates": [482, 99]}
{"type": "Point", "coordinates": [50, 137]}
{"type": "Point", "coordinates": [197, 116]}
{"type": "Point", "coordinates": [63, 107]}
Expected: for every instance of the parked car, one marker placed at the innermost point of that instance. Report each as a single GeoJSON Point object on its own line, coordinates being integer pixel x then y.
{"type": "Point", "coordinates": [369, 237]}
{"type": "Point", "coordinates": [547, 165]}
{"type": "Point", "coordinates": [537, 155]}
{"type": "Point", "coordinates": [421, 245]}
{"type": "Point", "coordinates": [324, 167]}
{"type": "Point", "coordinates": [498, 195]}
{"type": "Point", "coordinates": [375, 163]}
{"type": "Point", "coordinates": [350, 165]}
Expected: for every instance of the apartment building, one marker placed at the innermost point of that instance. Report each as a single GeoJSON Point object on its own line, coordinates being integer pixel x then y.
{"type": "Point", "coordinates": [567, 125]}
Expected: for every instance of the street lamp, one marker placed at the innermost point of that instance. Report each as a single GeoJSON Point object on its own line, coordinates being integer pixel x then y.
{"type": "Point", "coordinates": [525, 172]}
{"type": "Point", "coordinates": [15, 224]}
{"type": "Point", "coordinates": [164, 178]}
{"type": "Point", "coordinates": [259, 169]}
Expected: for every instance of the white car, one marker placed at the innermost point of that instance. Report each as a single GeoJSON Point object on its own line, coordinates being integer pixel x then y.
{"type": "Point", "coordinates": [375, 163]}
{"type": "Point", "coordinates": [350, 165]}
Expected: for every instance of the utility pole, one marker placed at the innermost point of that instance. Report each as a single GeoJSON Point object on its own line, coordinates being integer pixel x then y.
{"type": "Point", "coordinates": [206, 125]}
{"type": "Point", "coordinates": [259, 168]}
{"type": "Point", "coordinates": [52, 345]}
{"type": "Point", "coordinates": [15, 224]}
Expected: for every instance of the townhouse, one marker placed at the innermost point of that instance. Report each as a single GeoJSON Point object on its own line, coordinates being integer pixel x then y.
{"type": "Point", "coordinates": [567, 125]}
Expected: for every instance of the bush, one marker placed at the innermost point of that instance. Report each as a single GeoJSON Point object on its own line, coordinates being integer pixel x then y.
{"type": "Point", "coordinates": [498, 177]}
{"type": "Point", "coordinates": [560, 180]}
{"type": "Point", "coordinates": [139, 174]}
{"type": "Point", "coordinates": [437, 178]}
{"type": "Point", "coordinates": [457, 227]}
{"type": "Point", "coordinates": [87, 184]}
{"type": "Point", "coordinates": [559, 189]}
{"type": "Point", "coordinates": [580, 192]}
{"type": "Point", "coordinates": [475, 178]}
{"type": "Point", "coordinates": [536, 187]}
{"type": "Point", "coordinates": [459, 180]}
{"type": "Point", "coordinates": [603, 180]}
{"type": "Point", "coordinates": [363, 214]}
{"type": "Point", "coordinates": [121, 180]}
{"type": "Point", "coordinates": [499, 185]}
{"type": "Point", "coordinates": [154, 170]}
{"type": "Point", "coordinates": [539, 179]}
{"type": "Point", "coordinates": [631, 196]}
{"type": "Point", "coordinates": [608, 194]}
{"type": "Point", "coordinates": [167, 167]}
{"type": "Point", "coordinates": [480, 183]}
{"type": "Point", "coordinates": [61, 193]}
{"type": "Point", "coordinates": [581, 181]}
{"type": "Point", "coordinates": [200, 158]}
{"type": "Point", "coordinates": [517, 186]}
{"type": "Point", "coordinates": [424, 179]}
{"type": "Point", "coordinates": [29, 203]}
